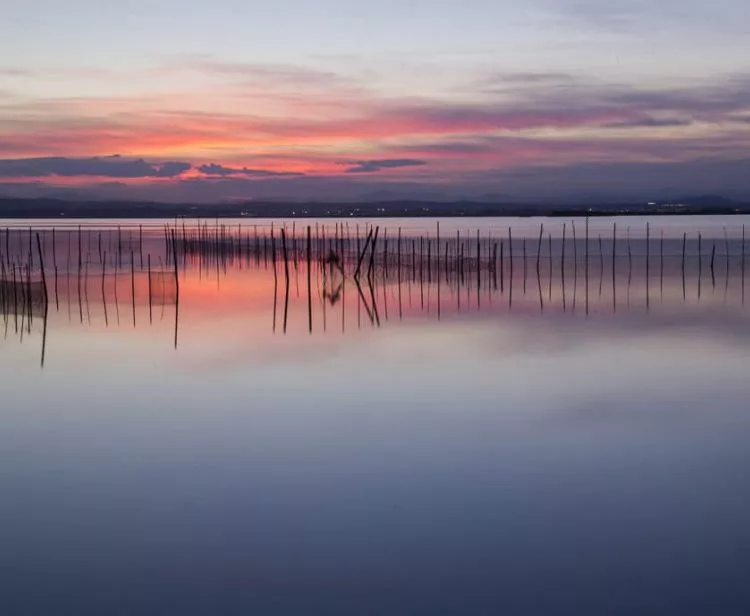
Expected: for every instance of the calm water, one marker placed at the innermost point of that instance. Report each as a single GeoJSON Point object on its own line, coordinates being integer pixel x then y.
{"type": "Point", "coordinates": [573, 439]}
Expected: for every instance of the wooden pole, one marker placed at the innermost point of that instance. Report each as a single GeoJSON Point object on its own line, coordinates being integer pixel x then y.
{"type": "Point", "coordinates": [502, 266]}
{"type": "Point", "coordinates": [398, 250]}
{"type": "Point", "coordinates": [132, 282]}
{"type": "Point", "coordinates": [150, 293]}
{"type": "Point", "coordinates": [372, 253]}
{"type": "Point", "coordinates": [479, 261]}
{"type": "Point", "coordinates": [510, 256]}
{"type": "Point", "coordinates": [309, 279]}
{"type": "Point", "coordinates": [286, 256]}
{"type": "Point", "coordinates": [539, 249]}
{"type": "Point", "coordinates": [41, 265]}
{"type": "Point", "coordinates": [361, 254]}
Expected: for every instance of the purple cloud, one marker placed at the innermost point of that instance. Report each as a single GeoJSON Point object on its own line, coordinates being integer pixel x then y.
{"type": "Point", "coordinates": [216, 170]}
{"type": "Point", "coordinates": [108, 166]}
{"type": "Point", "coordinates": [374, 166]}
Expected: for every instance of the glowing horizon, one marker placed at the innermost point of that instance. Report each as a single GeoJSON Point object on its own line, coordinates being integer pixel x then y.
{"type": "Point", "coordinates": [516, 99]}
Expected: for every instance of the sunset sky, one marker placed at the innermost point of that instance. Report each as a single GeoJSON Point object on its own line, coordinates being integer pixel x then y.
{"type": "Point", "coordinates": [326, 99]}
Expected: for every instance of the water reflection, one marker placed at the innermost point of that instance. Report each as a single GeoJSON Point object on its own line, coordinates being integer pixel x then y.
{"type": "Point", "coordinates": [444, 433]}
{"type": "Point", "coordinates": [305, 281]}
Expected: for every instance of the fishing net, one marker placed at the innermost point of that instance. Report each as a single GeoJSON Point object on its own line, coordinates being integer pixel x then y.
{"type": "Point", "coordinates": [22, 296]}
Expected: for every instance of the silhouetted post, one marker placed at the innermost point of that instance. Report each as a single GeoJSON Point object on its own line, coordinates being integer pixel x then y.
{"type": "Point", "coordinates": [539, 250]}
{"type": "Point", "coordinates": [462, 262]}
{"type": "Point", "coordinates": [132, 282]}
{"type": "Point", "coordinates": [726, 249]}
{"type": "Point", "coordinates": [479, 260]}
{"type": "Point", "coordinates": [459, 257]}
{"type": "Point", "coordinates": [177, 289]}
{"type": "Point", "coordinates": [309, 278]}
{"type": "Point", "coordinates": [437, 254]}
{"type": "Point", "coordinates": [493, 267]}
{"type": "Point", "coordinates": [661, 264]}
{"type": "Point", "coordinates": [41, 265]}
{"type": "Point", "coordinates": [361, 254]}
{"type": "Point", "coordinates": [601, 265]}
{"type": "Point", "coordinates": [413, 258]}
{"type": "Point", "coordinates": [3, 286]}
{"type": "Point", "coordinates": [549, 249]}
{"type": "Point", "coordinates": [398, 258]}
{"type": "Point", "coordinates": [713, 259]}
{"type": "Point", "coordinates": [587, 265]}
{"type": "Point", "coordinates": [174, 256]}
{"type": "Point", "coordinates": [502, 267]}
{"type": "Point", "coordinates": [743, 264]}
{"type": "Point", "coordinates": [28, 289]}
{"type": "Point", "coordinates": [15, 297]}
{"type": "Point", "coordinates": [273, 248]}
{"type": "Point", "coordinates": [510, 256]}
{"type": "Point", "coordinates": [630, 255]}
{"type": "Point", "coordinates": [385, 251]}
{"type": "Point", "coordinates": [684, 251]}
{"type": "Point", "coordinates": [104, 298]}
{"type": "Point", "coordinates": [286, 257]}
{"type": "Point", "coordinates": [140, 239]}
{"type": "Point", "coordinates": [684, 255]}
{"type": "Point", "coordinates": [429, 261]}
{"type": "Point", "coordinates": [648, 256]}
{"type": "Point", "coordinates": [150, 293]}
{"type": "Point", "coordinates": [700, 255]}
{"type": "Point", "coordinates": [372, 253]}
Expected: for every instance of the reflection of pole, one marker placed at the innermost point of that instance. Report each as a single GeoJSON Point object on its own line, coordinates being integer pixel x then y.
{"type": "Point", "coordinates": [44, 332]}
{"type": "Point", "coordinates": [275, 299]}
{"type": "Point", "coordinates": [372, 297]}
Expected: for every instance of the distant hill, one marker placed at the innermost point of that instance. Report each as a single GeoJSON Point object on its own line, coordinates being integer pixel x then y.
{"type": "Point", "coordinates": [65, 208]}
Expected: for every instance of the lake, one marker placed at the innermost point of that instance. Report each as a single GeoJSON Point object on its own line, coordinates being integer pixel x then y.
{"type": "Point", "coordinates": [521, 423]}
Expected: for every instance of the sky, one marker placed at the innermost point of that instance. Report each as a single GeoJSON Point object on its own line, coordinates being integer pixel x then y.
{"type": "Point", "coordinates": [533, 100]}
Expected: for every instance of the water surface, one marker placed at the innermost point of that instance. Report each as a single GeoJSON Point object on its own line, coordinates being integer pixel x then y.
{"type": "Point", "coordinates": [567, 439]}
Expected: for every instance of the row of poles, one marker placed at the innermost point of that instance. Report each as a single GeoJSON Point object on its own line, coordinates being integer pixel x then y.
{"type": "Point", "coordinates": [358, 256]}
